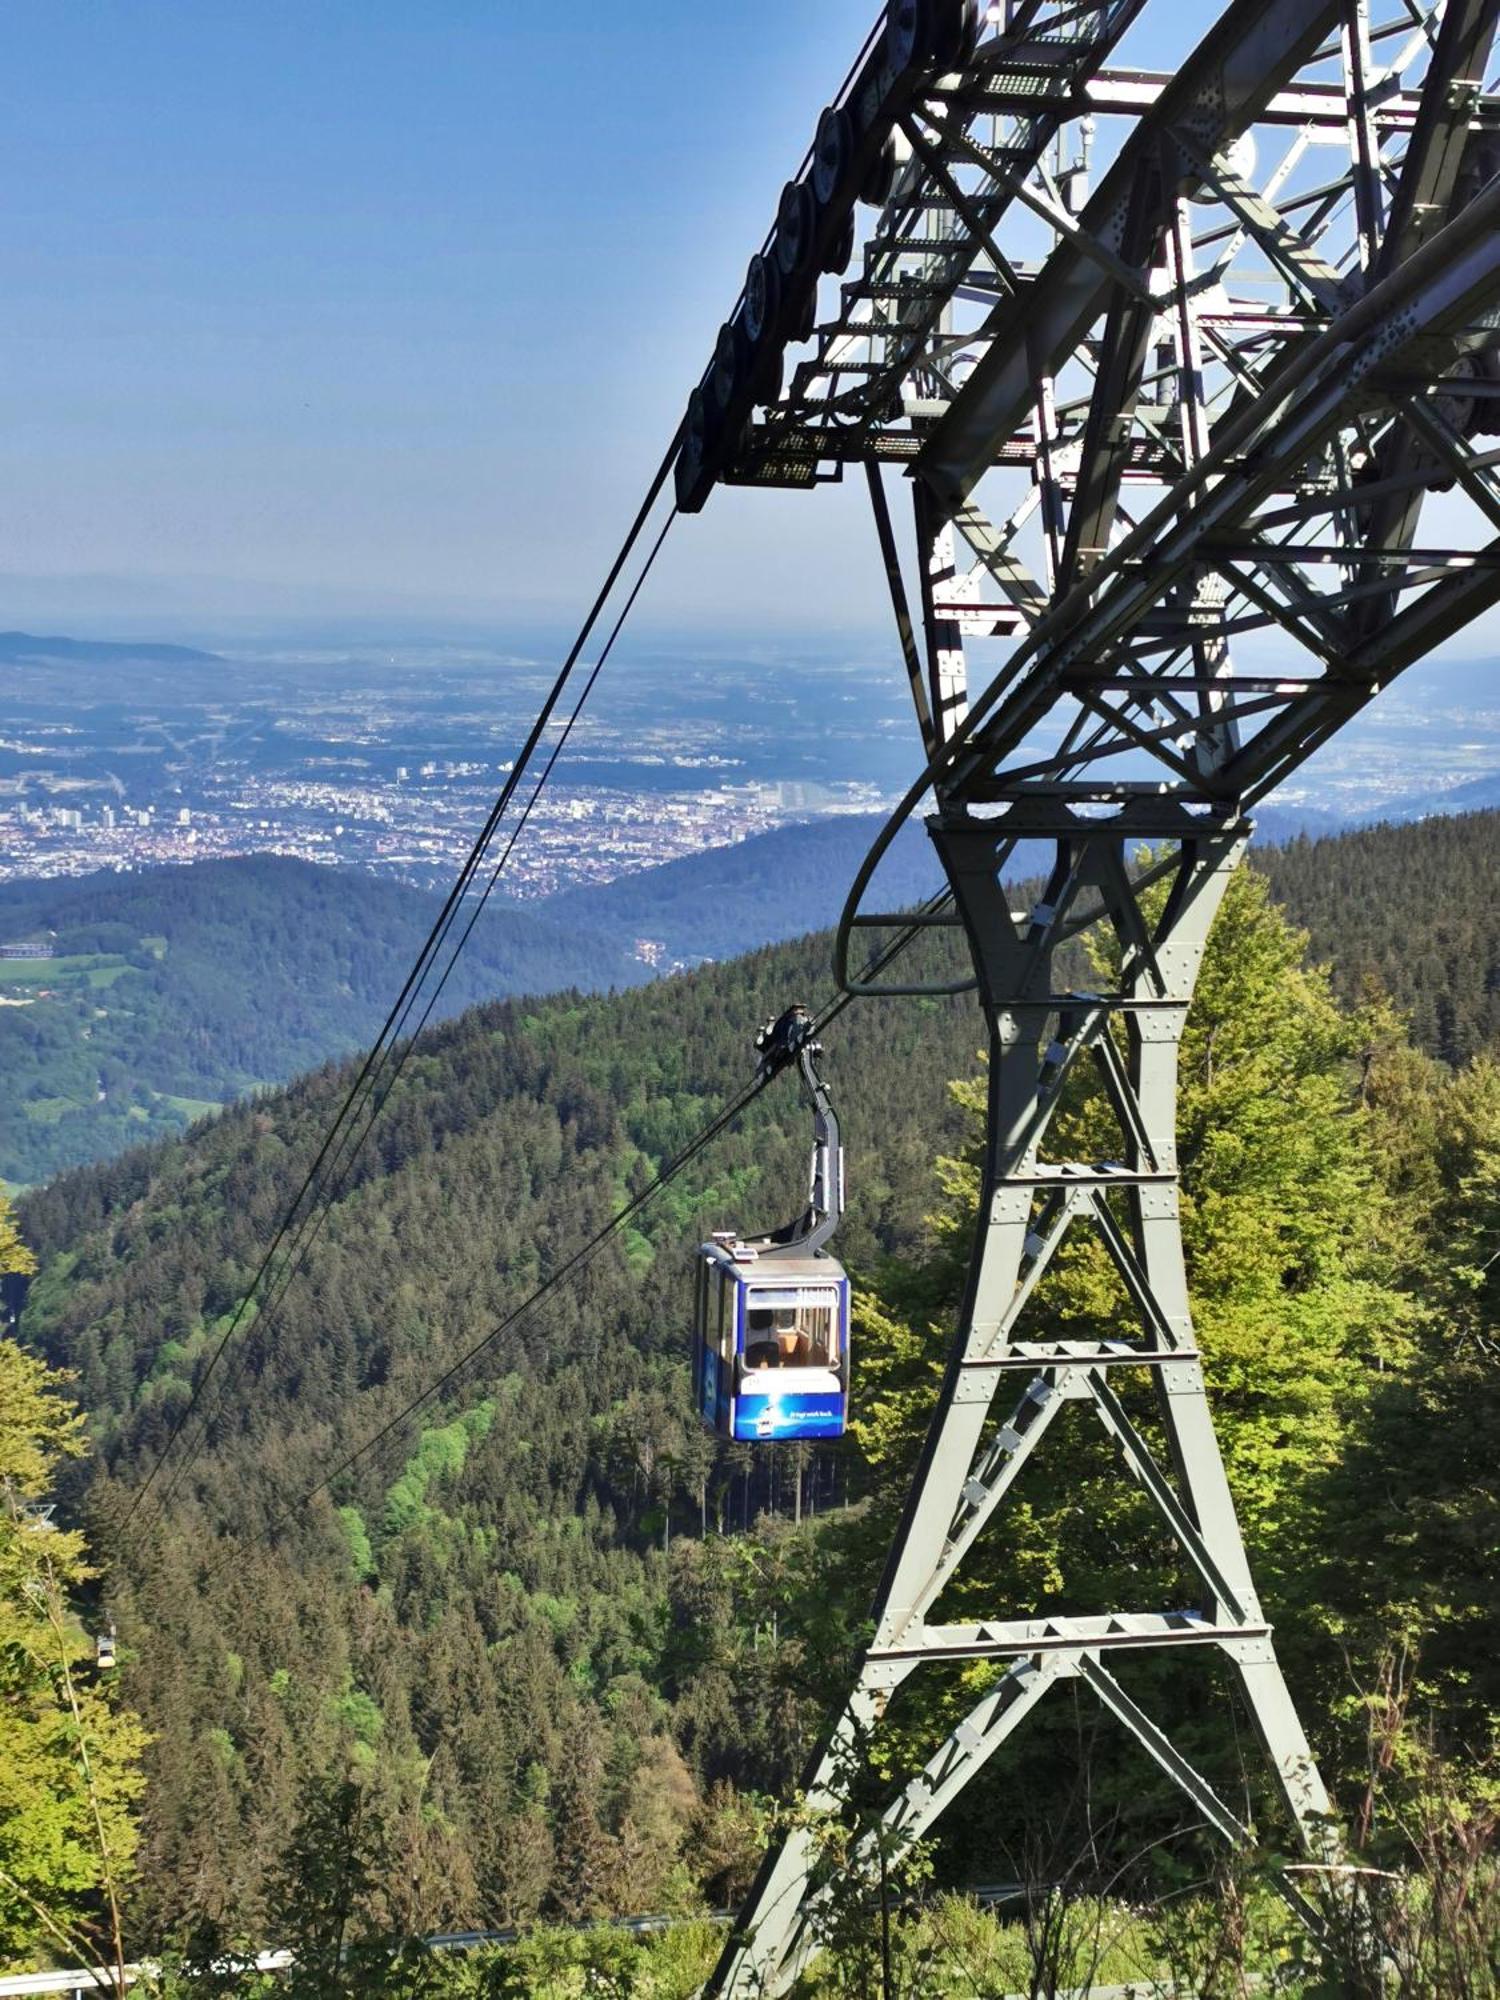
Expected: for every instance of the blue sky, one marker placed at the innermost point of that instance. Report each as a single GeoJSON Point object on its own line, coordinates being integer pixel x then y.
{"type": "Point", "coordinates": [341, 307]}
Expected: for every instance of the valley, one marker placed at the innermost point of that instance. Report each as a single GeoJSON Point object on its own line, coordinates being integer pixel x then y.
{"type": "Point", "coordinates": [541, 1603]}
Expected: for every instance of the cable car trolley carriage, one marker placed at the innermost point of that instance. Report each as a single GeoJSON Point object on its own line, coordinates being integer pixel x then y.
{"type": "Point", "coordinates": [771, 1313]}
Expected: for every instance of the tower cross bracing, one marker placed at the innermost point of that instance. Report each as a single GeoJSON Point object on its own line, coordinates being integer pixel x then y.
{"type": "Point", "coordinates": [1184, 345]}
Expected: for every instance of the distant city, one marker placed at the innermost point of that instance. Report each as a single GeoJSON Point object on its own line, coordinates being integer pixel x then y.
{"type": "Point", "coordinates": [127, 758]}
{"type": "Point", "coordinates": [391, 764]}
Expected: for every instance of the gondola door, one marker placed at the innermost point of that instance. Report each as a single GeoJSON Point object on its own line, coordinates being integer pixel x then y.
{"type": "Point", "coordinates": [716, 1316]}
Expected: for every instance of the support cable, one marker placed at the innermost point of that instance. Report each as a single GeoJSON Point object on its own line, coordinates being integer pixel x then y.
{"type": "Point", "coordinates": [586, 1252]}
{"type": "Point", "coordinates": [368, 1076]}
{"type": "Point", "coordinates": [313, 1225]}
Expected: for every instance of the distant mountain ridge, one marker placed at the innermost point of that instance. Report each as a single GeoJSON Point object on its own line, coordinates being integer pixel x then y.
{"type": "Point", "coordinates": [171, 991]}
{"type": "Point", "coordinates": [777, 885]}
{"type": "Point", "coordinates": [32, 649]}
{"type": "Point", "coordinates": [174, 990]}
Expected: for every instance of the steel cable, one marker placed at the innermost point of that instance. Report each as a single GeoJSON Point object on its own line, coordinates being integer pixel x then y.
{"type": "Point", "coordinates": [309, 1235]}
{"type": "Point", "coordinates": [308, 1202]}
{"type": "Point", "coordinates": [585, 1253]}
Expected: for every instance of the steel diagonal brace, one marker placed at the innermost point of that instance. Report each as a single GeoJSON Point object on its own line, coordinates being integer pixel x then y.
{"type": "Point", "coordinates": [1322, 639]}
{"type": "Point", "coordinates": [1095, 249]}
{"type": "Point", "coordinates": [1366, 166]}
{"type": "Point", "coordinates": [1434, 153]}
{"type": "Point", "coordinates": [1160, 1746]}
{"type": "Point", "coordinates": [1137, 1285]}
{"type": "Point", "coordinates": [1442, 287]}
{"type": "Point", "coordinates": [1300, 265]}
{"type": "Point", "coordinates": [992, 547]}
{"type": "Point", "coordinates": [967, 210]}
{"type": "Point", "coordinates": [1138, 947]}
{"type": "Point", "coordinates": [972, 1743]}
{"type": "Point", "coordinates": [1438, 291]}
{"type": "Point", "coordinates": [1423, 197]}
{"type": "Point", "coordinates": [947, 670]}
{"type": "Point", "coordinates": [1066, 880]}
{"type": "Point", "coordinates": [1434, 617]}
{"type": "Point", "coordinates": [905, 630]}
{"type": "Point", "coordinates": [1124, 1102]}
{"type": "Point", "coordinates": [1467, 466]}
{"type": "Point", "coordinates": [1256, 47]}
{"type": "Point", "coordinates": [1118, 375]}
{"type": "Point", "coordinates": [1057, 1060]}
{"type": "Point", "coordinates": [1144, 1468]}
{"type": "Point", "coordinates": [967, 1748]}
{"type": "Point", "coordinates": [987, 1485]}
{"type": "Point", "coordinates": [1313, 718]}
{"type": "Point", "coordinates": [1039, 1247]}
{"type": "Point", "coordinates": [1122, 733]}
{"type": "Point", "coordinates": [1077, 925]}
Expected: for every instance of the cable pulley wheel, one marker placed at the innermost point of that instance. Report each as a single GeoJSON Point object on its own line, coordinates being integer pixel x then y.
{"type": "Point", "coordinates": [831, 154]}
{"type": "Point", "coordinates": [841, 249]}
{"type": "Point", "coordinates": [796, 218]}
{"type": "Point", "coordinates": [730, 355]}
{"type": "Point", "coordinates": [762, 299]}
{"type": "Point", "coordinates": [923, 32]}
{"type": "Point", "coordinates": [699, 427]}
{"type": "Point", "coordinates": [908, 33]}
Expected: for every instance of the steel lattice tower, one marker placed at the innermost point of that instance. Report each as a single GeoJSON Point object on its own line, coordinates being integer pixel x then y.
{"type": "Point", "coordinates": [1176, 361]}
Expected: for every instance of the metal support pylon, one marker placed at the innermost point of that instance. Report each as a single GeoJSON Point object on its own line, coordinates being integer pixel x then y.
{"type": "Point", "coordinates": [984, 1431]}
{"type": "Point", "coordinates": [1206, 409]}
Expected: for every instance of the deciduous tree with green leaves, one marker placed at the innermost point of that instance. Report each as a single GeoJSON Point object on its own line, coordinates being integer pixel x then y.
{"type": "Point", "coordinates": [1292, 1251]}
{"type": "Point", "coordinates": [69, 1763]}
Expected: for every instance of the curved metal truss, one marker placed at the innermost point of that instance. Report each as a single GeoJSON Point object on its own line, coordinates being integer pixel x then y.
{"type": "Point", "coordinates": [1188, 353]}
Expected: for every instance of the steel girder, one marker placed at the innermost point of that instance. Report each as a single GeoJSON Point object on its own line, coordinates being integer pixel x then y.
{"type": "Point", "coordinates": [1200, 411]}
{"type": "Point", "coordinates": [984, 1434]}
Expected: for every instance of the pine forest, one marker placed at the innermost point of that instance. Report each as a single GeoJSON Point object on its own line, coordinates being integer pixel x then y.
{"type": "Point", "coordinates": [549, 1654]}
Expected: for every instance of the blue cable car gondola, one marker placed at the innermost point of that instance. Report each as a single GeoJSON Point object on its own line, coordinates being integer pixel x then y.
{"type": "Point", "coordinates": [771, 1313]}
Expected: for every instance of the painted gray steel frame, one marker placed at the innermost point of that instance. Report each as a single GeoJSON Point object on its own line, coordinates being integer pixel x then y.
{"type": "Point", "coordinates": [1344, 410]}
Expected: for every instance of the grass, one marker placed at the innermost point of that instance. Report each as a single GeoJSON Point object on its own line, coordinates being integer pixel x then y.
{"type": "Point", "coordinates": [48, 1110]}
{"type": "Point", "coordinates": [191, 1108]}
{"type": "Point", "coordinates": [29, 971]}
{"type": "Point", "coordinates": [85, 968]}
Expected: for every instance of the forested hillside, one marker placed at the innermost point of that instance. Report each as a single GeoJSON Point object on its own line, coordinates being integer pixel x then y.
{"type": "Point", "coordinates": [490, 1601]}
{"type": "Point", "coordinates": [727, 900]}
{"type": "Point", "coordinates": [566, 1645]}
{"type": "Point", "coordinates": [171, 991]}
{"type": "Point", "coordinates": [176, 990]}
{"type": "Point", "coordinates": [1411, 908]}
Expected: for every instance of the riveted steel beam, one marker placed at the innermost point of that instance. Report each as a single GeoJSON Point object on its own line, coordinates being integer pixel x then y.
{"type": "Point", "coordinates": [1168, 357]}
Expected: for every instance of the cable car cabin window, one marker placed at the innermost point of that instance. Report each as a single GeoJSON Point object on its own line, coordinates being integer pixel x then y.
{"type": "Point", "coordinates": [792, 1329]}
